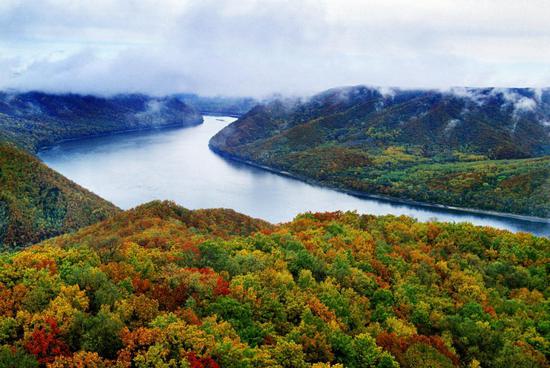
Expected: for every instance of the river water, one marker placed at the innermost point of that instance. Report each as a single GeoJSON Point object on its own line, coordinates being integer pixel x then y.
{"type": "Point", "coordinates": [133, 168]}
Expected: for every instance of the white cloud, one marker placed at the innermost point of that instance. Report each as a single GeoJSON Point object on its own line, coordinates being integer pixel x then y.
{"type": "Point", "coordinates": [520, 103]}
{"type": "Point", "coordinates": [451, 125]}
{"type": "Point", "coordinates": [477, 96]}
{"type": "Point", "coordinates": [261, 47]}
{"type": "Point", "coordinates": [525, 104]}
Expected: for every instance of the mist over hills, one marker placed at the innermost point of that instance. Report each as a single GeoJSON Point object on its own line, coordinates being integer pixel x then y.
{"type": "Point", "coordinates": [37, 119]}
{"type": "Point", "coordinates": [467, 147]}
{"type": "Point", "coordinates": [483, 148]}
{"type": "Point", "coordinates": [497, 122]}
{"type": "Point", "coordinates": [219, 105]}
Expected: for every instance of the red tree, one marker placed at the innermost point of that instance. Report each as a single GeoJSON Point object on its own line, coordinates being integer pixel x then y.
{"type": "Point", "coordinates": [196, 362]}
{"type": "Point", "coordinates": [44, 342]}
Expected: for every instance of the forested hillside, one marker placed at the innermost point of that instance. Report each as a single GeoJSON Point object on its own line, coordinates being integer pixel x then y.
{"type": "Point", "coordinates": [37, 202]}
{"type": "Point", "coordinates": [36, 119]}
{"type": "Point", "coordinates": [480, 148]}
{"type": "Point", "coordinates": [161, 286]}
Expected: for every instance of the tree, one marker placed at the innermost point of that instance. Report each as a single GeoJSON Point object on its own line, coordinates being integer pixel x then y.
{"type": "Point", "coordinates": [102, 334]}
{"type": "Point", "coordinates": [44, 342]}
{"type": "Point", "coordinates": [11, 357]}
{"type": "Point", "coordinates": [368, 354]}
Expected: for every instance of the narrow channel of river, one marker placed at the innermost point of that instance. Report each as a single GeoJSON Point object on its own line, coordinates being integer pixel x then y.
{"type": "Point", "coordinates": [176, 164]}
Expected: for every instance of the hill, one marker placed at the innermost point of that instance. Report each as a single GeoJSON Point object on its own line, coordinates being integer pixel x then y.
{"type": "Point", "coordinates": [35, 119]}
{"type": "Point", "coordinates": [480, 148]}
{"type": "Point", "coordinates": [37, 202]}
{"type": "Point", "coordinates": [162, 286]}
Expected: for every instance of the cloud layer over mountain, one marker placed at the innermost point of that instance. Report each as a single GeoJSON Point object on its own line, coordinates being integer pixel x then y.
{"type": "Point", "coordinates": [250, 47]}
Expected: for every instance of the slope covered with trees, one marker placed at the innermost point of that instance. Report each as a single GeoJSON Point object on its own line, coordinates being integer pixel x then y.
{"type": "Point", "coordinates": [161, 286]}
{"type": "Point", "coordinates": [481, 148]}
{"type": "Point", "coordinates": [36, 119]}
{"type": "Point", "coordinates": [37, 202]}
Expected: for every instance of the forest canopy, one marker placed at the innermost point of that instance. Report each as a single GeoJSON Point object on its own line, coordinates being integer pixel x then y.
{"type": "Point", "coordinates": [36, 202]}
{"type": "Point", "coordinates": [162, 286]}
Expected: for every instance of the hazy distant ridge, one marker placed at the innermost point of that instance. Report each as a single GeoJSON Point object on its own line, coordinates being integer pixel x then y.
{"type": "Point", "coordinates": [36, 119]}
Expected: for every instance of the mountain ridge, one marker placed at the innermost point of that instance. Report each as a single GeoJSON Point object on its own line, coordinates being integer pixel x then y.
{"type": "Point", "coordinates": [361, 139]}
{"type": "Point", "coordinates": [35, 119]}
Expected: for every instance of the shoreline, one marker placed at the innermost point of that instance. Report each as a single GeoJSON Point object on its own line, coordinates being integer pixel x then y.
{"type": "Point", "coordinates": [220, 114]}
{"type": "Point", "coordinates": [47, 147]}
{"type": "Point", "coordinates": [355, 193]}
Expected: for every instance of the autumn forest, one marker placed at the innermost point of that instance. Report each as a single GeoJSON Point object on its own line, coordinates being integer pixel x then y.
{"type": "Point", "coordinates": [162, 286]}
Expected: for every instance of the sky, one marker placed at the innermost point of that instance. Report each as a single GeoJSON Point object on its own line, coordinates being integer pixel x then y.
{"type": "Point", "coordinates": [258, 48]}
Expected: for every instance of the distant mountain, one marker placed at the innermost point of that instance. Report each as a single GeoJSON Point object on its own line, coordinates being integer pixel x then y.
{"type": "Point", "coordinates": [424, 145]}
{"type": "Point", "coordinates": [218, 105]}
{"type": "Point", "coordinates": [37, 203]}
{"type": "Point", "coordinates": [36, 119]}
{"type": "Point", "coordinates": [500, 123]}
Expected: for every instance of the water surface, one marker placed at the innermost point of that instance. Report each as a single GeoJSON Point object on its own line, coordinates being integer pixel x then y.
{"type": "Point", "coordinates": [133, 168]}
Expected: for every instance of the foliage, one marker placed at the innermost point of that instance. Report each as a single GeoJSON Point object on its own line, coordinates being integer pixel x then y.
{"type": "Point", "coordinates": [162, 286]}
{"type": "Point", "coordinates": [37, 203]}
{"type": "Point", "coordinates": [11, 357]}
{"type": "Point", "coordinates": [44, 342]}
{"type": "Point", "coordinates": [425, 146]}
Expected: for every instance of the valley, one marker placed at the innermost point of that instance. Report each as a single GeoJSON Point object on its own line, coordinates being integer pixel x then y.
{"type": "Point", "coordinates": [97, 272]}
{"type": "Point", "coordinates": [134, 168]}
{"type": "Point", "coordinates": [274, 184]}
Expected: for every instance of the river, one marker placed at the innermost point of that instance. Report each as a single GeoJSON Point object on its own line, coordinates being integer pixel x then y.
{"type": "Point", "coordinates": [133, 168]}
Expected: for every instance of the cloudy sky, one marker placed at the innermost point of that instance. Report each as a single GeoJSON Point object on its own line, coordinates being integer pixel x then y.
{"type": "Point", "coordinates": [253, 47]}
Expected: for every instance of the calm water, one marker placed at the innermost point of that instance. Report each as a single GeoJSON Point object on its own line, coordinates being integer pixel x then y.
{"type": "Point", "coordinates": [130, 169]}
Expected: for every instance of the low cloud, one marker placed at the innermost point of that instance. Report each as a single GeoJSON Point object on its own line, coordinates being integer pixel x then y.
{"type": "Point", "coordinates": [520, 103]}
{"type": "Point", "coordinates": [259, 48]}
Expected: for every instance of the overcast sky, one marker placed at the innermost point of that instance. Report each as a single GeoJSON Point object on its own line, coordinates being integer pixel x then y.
{"type": "Point", "coordinates": [247, 47]}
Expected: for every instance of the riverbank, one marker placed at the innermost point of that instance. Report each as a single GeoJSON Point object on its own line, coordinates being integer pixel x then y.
{"type": "Point", "coordinates": [49, 146]}
{"type": "Point", "coordinates": [359, 194]}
